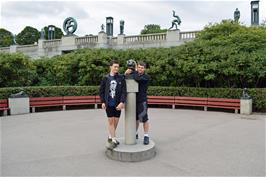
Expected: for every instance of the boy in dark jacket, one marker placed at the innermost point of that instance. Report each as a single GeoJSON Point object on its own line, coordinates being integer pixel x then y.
{"type": "Point", "coordinates": [113, 97]}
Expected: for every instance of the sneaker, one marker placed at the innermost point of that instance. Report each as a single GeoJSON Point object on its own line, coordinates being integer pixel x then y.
{"type": "Point", "coordinates": [137, 136]}
{"type": "Point", "coordinates": [109, 140]}
{"type": "Point", "coordinates": [117, 142]}
{"type": "Point", "coordinates": [146, 140]}
{"type": "Point", "coordinates": [111, 145]}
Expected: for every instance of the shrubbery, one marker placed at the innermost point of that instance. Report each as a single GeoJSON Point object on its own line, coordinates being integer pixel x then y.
{"type": "Point", "coordinates": [223, 55]}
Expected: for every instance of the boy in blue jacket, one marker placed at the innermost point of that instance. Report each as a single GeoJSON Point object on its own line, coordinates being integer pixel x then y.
{"type": "Point", "coordinates": [113, 97]}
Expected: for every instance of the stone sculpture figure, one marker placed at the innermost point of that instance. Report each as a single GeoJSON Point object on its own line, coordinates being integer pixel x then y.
{"type": "Point", "coordinates": [176, 21]}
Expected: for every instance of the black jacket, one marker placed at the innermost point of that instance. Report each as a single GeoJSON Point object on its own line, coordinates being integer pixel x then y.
{"type": "Point", "coordinates": [143, 81]}
{"type": "Point", "coordinates": [121, 89]}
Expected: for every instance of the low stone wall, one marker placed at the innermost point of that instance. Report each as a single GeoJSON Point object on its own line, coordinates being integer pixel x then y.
{"type": "Point", "coordinates": [68, 43]}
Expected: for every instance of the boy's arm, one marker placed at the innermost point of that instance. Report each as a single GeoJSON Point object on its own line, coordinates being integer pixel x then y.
{"type": "Point", "coordinates": [124, 91]}
{"type": "Point", "coordinates": [102, 90]}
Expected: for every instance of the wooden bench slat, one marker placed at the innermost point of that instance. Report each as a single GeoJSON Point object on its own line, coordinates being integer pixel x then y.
{"type": "Point", "coordinates": [227, 107]}
{"type": "Point", "coordinates": [4, 109]}
{"type": "Point", "coordinates": [183, 104]}
{"type": "Point", "coordinates": [190, 102]}
{"type": "Point", "coordinates": [78, 101]}
{"type": "Point", "coordinates": [161, 97]}
{"type": "Point", "coordinates": [78, 97]}
{"type": "Point", "coordinates": [190, 98]}
{"type": "Point", "coordinates": [4, 101]}
{"type": "Point", "coordinates": [224, 100]}
{"type": "Point", "coordinates": [223, 104]}
{"type": "Point", "coordinates": [46, 103]}
{"type": "Point", "coordinates": [45, 98]}
{"type": "Point", "coordinates": [161, 101]}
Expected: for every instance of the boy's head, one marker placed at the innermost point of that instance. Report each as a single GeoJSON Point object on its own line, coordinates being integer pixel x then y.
{"type": "Point", "coordinates": [114, 66]}
{"type": "Point", "coordinates": [141, 67]}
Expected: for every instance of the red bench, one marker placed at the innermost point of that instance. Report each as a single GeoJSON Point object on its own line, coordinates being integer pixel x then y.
{"type": "Point", "coordinates": [152, 100]}
{"type": "Point", "coordinates": [63, 101]}
{"type": "Point", "coordinates": [226, 103]}
{"type": "Point", "coordinates": [78, 100]}
{"type": "Point", "coordinates": [4, 106]}
{"type": "Point", "coordinates": [191, 101]}
{"type": "Point", "coordinates": [45, 102]}
{"type": "Point", "coordinates": [161, 100]}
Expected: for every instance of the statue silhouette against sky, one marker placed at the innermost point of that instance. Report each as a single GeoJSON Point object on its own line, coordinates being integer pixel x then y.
{"type": "Point", "coordinates": [176, 21]}
{"type": "Point", "coordinates": [236, 15]}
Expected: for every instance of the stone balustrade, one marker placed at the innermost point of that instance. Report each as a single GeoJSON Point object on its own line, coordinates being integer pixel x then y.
{"type": "Point", "coordinates": [146, 37]}
{"type": "Point", "coordinates": [68, 43]}
{"type": "Point", "coordinates": [51, 43]}
{"type": "Point", "coordinates": [4, 49]}
{"type": "Point", "coordinates": [188, 35]}
{"type": "Point", "coordinates": [27, 48]}
{"type": "Point", "coordinates": [86, 40]}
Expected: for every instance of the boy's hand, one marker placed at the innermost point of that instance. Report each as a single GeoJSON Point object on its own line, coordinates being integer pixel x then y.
{"type": "Point", "coordinates": [103, 106]}
{"type": "Point", "coordinates": [120, 106]}
{"type": "Point", "coordinates": [128, 71]}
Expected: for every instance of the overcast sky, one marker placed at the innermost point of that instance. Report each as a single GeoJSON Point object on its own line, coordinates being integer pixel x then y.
{"type": "Point", "coordinates": [15, 15]}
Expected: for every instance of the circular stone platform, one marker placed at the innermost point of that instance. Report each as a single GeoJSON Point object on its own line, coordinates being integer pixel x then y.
{"type": "Point", "coordinates": [132, 153]}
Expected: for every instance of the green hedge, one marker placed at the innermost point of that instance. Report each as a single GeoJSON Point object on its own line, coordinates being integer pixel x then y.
{"type": "Point", "coordinates": [224, 55]}
{"type": "Point", "coordinates": [258, 94]}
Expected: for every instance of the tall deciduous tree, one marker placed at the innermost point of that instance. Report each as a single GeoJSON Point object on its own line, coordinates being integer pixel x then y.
{"type": "Point", "coordinates": [6, 38]}
{"type": "Point", "coordinates": [152, 28]}
{"type": "Point", "coordinates": [28, 35]}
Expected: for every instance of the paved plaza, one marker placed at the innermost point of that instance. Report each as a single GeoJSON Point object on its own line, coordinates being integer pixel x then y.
{"type": "Point", "coordinates": [188, 142]}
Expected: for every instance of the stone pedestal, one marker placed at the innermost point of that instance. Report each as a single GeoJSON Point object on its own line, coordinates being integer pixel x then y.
{"type": "Point", "coordinates": [19, 105]}
{"type": "Point", "coordinates": [173, 35]}
{"type": "Point", "coordinates": [68, 43]}
{"type": "Point", "coordinates": [132, 153]}
{"type": "Point", "coordinates": [13, 49]}
{"type": "Point", "coordinates": [102, 40]}
{"type": "Point", "coordinates": [120, 39]}
{"type": "Point", "coordinates": [246, 106]}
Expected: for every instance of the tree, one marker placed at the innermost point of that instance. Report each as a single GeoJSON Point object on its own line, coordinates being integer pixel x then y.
{"type": "Point", "coordinates": [152, 28]}
{"type": "Point", "coordinates": [58, 32]}
{"type": "Point", "coordinates": [28, 35]}
{"type": "Point", "coordinates": [219, 30]}
{"type": "Point", "coordinates": [6, 38]}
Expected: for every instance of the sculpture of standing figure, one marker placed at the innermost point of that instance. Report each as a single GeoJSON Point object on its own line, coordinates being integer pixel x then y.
{"type": "Point", "coordinates": [14, 39]}
{"type": "Point", "coordinates": [176, 21]}
{"type": "Point", "coordinates": [102, 28]}
{"type": "Point", "coordinates": [42, 34]}
{"type": "Point", "coordinates": [122, 23]}
{"type": "Point", "coordinates": [236, 15]}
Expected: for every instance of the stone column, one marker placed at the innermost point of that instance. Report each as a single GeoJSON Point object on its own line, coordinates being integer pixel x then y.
{"type": "Point", "coordinates": [130, 112]}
